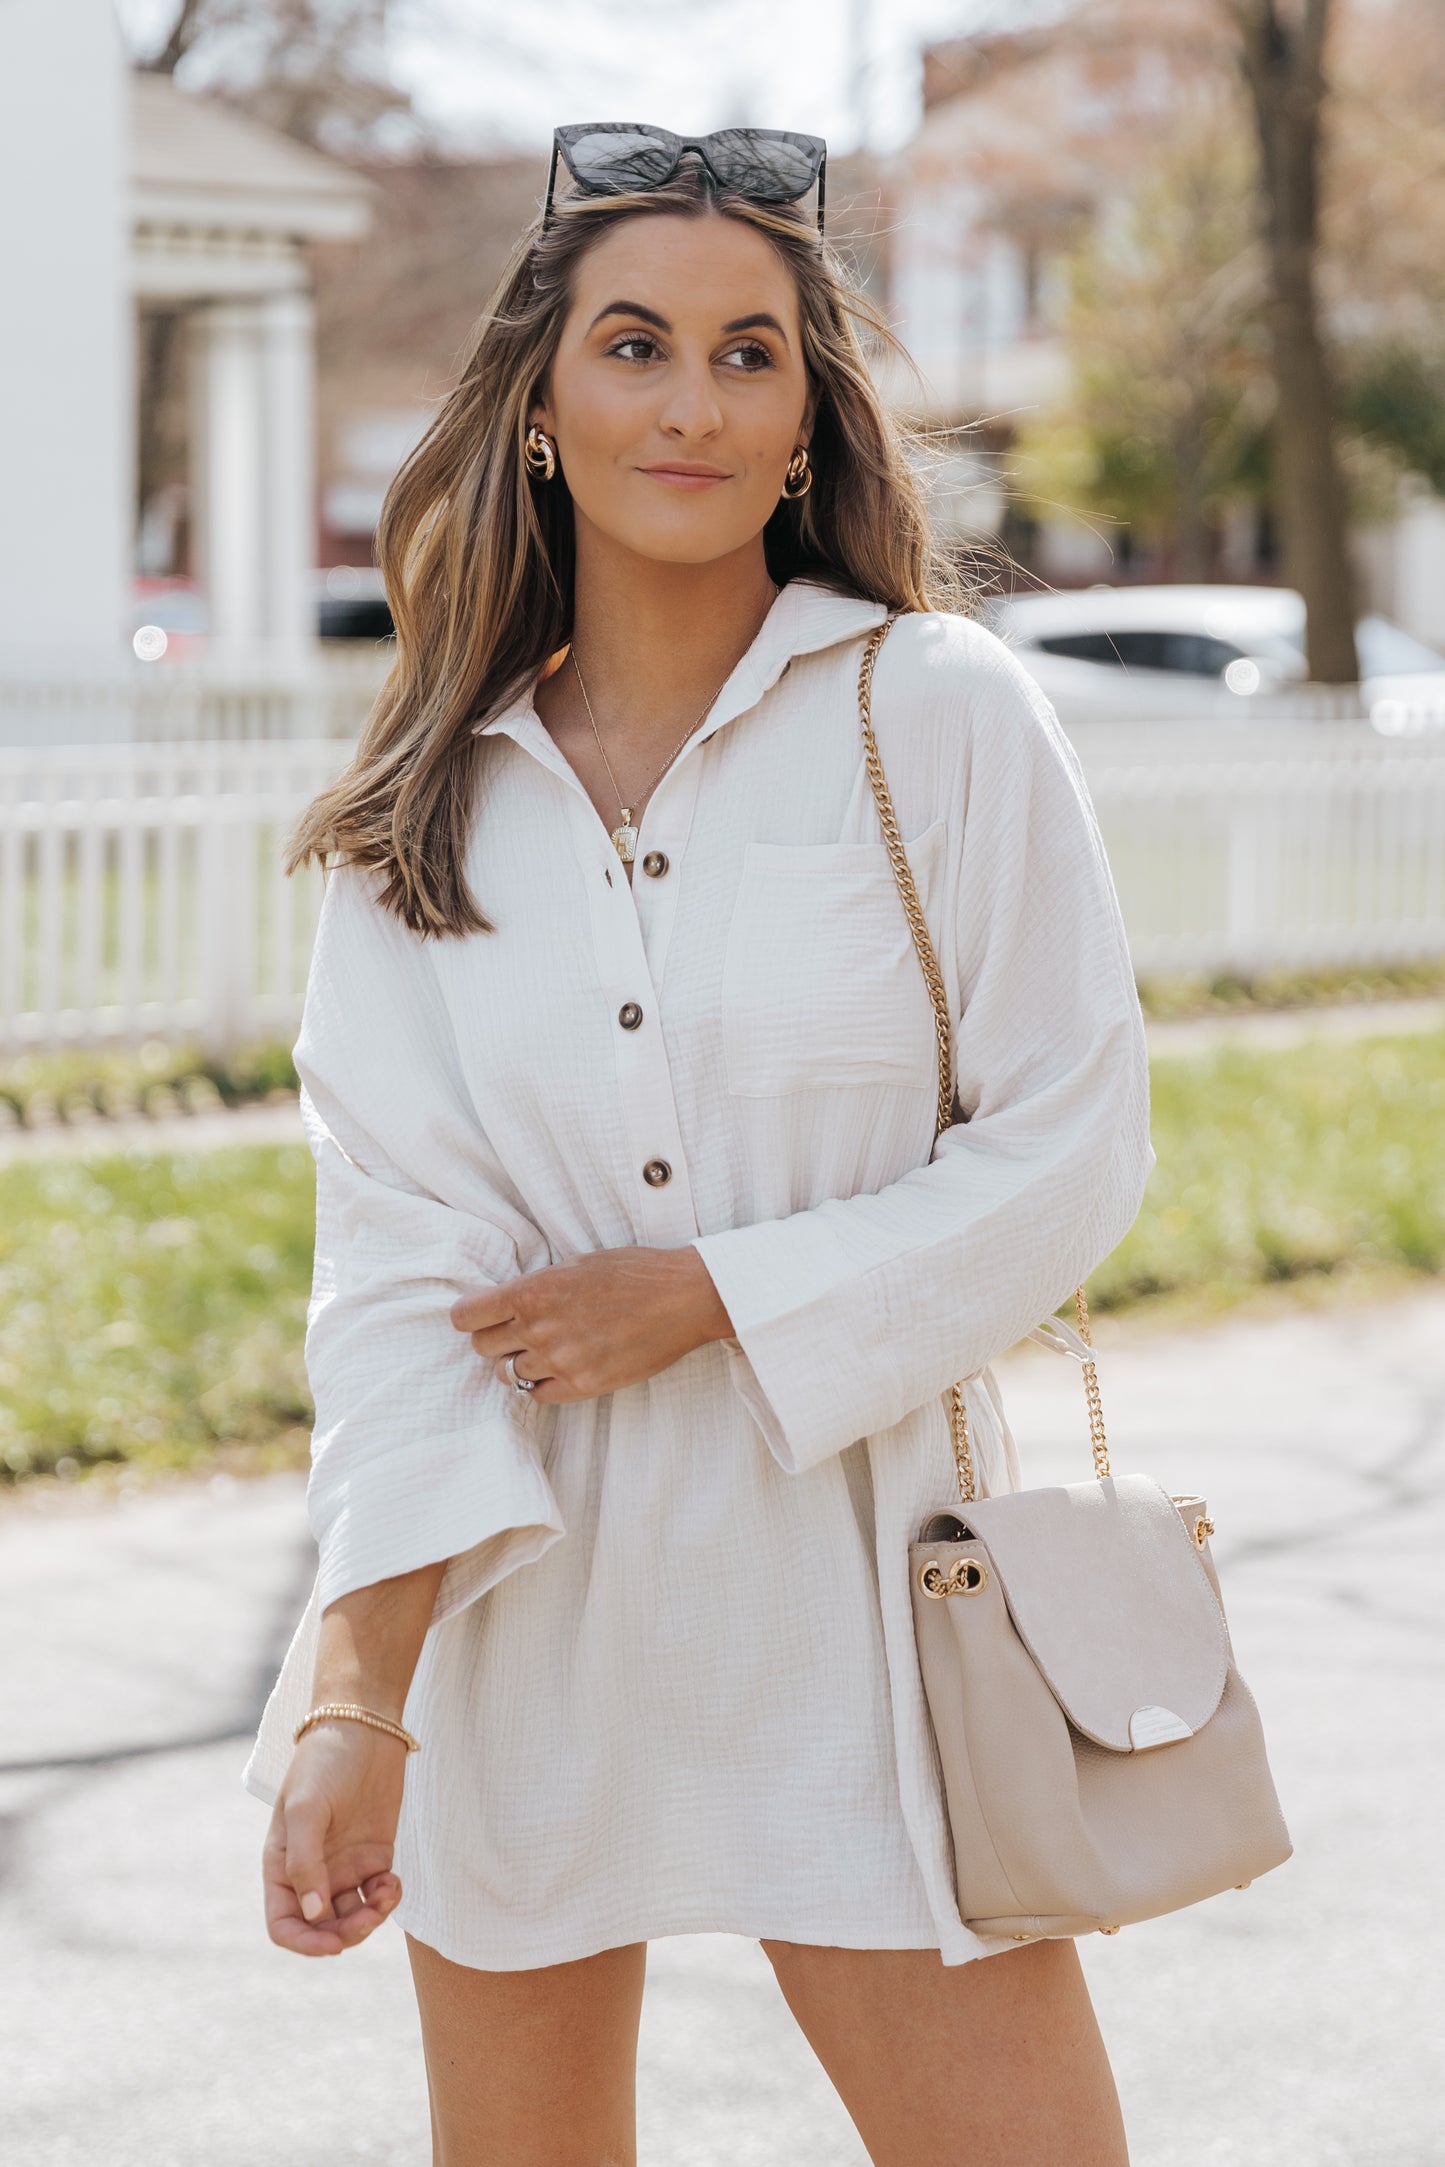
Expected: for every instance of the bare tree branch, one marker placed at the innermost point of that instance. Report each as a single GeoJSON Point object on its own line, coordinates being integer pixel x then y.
{"type": "Point", "coordinates": [183, 35]}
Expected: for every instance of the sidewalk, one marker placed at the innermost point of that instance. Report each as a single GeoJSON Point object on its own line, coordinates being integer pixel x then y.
{"type": "Point", "coordinates": [281, 1124]}
{"type": "Point", "coordinates": [97, 1139]}
{"type": "Point", "coordinates": [1295, 2025]}
{"type": "Point", "coordinates": [1264, 1029]}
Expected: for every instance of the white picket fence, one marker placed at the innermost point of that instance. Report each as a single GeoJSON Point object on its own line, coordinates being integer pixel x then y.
{"type": "Point", "coordinates": [326, 693]}
{"type": "Point", "coordinates": [141, 894]}
{"type": "Point", "coordinates": [1310, 846]}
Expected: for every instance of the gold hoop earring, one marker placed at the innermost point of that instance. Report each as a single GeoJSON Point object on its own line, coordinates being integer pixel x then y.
{"type": "Point", "coordinates": [799, 478]}
{"type": "Point", "coordinates": [538, 455]}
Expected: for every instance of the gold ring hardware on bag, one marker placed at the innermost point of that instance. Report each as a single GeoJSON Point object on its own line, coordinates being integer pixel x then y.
{"type": "Point", "coordinates": [1203, 1525]}
{"type": "Point", "coordinates": [964, 1577]}
{"type": "Point", "coordinates": [1108, 1929]}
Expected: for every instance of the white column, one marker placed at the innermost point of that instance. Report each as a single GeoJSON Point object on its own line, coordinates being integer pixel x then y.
{"type": "Point", "coordinates": [66, 382]}
{"type": "Point", "coordinates": [228, 451]}
{"type": "Point", "coordinates": [288, 340]}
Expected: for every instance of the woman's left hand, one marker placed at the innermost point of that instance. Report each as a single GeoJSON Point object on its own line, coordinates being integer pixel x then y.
{"type": "Point", "coordinates": [598, 1322]}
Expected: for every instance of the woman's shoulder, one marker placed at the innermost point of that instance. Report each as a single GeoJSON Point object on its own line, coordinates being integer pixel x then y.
{"type": "Point", "coordinates": [360, 932]}
{"type": "Point", "coordinates": [953, 671]}
{"type": "Point", "coordinates": [946, 650]}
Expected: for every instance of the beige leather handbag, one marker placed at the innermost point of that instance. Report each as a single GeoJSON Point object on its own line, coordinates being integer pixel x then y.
{"type": "Point", "coordinates": [1102, 1757]}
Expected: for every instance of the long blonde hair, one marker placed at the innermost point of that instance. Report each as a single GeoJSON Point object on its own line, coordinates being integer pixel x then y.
{"type": "Point", "coordinates": [478, 559]}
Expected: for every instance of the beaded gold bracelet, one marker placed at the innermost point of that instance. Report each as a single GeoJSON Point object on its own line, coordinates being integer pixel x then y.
{"type": "Point", "coordinates": [352, 1714]}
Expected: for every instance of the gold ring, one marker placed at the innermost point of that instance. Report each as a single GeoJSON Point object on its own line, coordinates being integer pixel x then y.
{"type": "Point", "coordinates": [966, 1576]}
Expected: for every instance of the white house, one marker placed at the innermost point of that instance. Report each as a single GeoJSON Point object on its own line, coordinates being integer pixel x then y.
{"type": "Point", "coordinates": [220, 211]}
{"type": "Point", "coordinates": [122, 194]}
{"type": "Point", "coordinates": [1025, 139]}
{"type": "Point", "coordinates": [65, 357]}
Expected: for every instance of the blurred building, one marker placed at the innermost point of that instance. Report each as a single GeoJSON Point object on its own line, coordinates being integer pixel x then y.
{"type": "Point", "coordinates": [394, 317]}
{"type": "Point", "coordinates": [224, 216]}
{"type": "Point", "coordinates": [65, 399]}
{"type": "Point", "coordinates": [157, 387]}
{"type": "Point", "coordinates": [1028, 140]}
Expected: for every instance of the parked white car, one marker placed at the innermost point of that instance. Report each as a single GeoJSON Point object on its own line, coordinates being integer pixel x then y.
{"type": "Point", "coordinates": [1166, 654]}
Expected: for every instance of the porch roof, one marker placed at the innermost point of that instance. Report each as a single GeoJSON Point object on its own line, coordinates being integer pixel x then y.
{"type": "Point", "coordinates": [195, 163]}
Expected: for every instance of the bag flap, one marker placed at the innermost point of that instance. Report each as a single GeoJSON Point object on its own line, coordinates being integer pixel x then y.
{"type": "Point", "coordinates": [1111, 1599]}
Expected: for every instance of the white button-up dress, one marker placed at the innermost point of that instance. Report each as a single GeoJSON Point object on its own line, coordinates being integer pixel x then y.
{"type": "Point", "coordinates": [671, 1684]}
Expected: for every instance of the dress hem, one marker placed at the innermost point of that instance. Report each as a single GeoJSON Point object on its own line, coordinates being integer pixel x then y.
{"type": "Point", "coordinates": [666, 1927]}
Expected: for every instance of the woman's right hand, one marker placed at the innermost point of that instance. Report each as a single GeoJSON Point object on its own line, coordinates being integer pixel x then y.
{"type": "Point", "coordinates": [328, 1853]}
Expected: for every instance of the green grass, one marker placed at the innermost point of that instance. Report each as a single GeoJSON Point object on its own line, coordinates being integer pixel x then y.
{"type": "Point", "coordinates": [152, 1308]}
{"type": "Point", "coordinates": [1286, 1165]}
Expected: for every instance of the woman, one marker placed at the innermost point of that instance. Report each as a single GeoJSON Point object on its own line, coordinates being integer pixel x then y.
{"type": "Point", "coordinates": [639, 1284]}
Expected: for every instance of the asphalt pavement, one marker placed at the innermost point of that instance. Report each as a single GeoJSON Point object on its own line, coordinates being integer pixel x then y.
{"type": "Point", "coordinates": [148, 2022]}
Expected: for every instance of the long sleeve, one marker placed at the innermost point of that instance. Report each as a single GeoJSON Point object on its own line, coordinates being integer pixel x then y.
{"type": "Point", "coordinates": [418, 1452]}
{"type": "Point", "coordinates": [849, 1315]}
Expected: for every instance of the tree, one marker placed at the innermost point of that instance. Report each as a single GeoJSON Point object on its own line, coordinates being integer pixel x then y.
{"type": "Point", "coordinates": [183, 33]}
{"type": "Point", "coordinates": [1168, 357]}
{"type": "Point", "coordinates": [314, 69]}
{"type": "Point", "coordinates": [1384, 221]}
{"type": "Point", "coordinates": [1384, 197]}
{"type": "Point", "coordinates": [1282, 54]}
{"type": "Point", "coordinates": [1396, 400]}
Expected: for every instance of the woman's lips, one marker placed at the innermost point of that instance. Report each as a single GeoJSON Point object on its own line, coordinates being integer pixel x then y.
{"type": "Point", "coordinates": [687, 477]}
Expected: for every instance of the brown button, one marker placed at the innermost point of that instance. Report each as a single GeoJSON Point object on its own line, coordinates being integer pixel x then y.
{"type": "Point", "coordinates": [655, 863]}
{"type": "Point", "coordinates": [656, 1172]}
{"type": "Point", "coordinates": [629, 1015]}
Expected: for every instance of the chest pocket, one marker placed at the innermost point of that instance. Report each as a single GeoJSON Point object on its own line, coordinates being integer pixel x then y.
{"type": "Point", "coordinates": [822, 986]}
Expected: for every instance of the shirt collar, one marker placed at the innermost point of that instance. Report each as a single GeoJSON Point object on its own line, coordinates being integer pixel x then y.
{"type": "Point", "coordinates": [804, 618]}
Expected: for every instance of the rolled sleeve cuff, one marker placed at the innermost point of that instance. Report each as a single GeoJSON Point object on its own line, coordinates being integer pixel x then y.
{"type": "Point", "coordinates": [808, 1357]}
{"type": "Point", "coordinates": [484, 1504]}
{"type": "Point", "coordinates": [487, 1507]}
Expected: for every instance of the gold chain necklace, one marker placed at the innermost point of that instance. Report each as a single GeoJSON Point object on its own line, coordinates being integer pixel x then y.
{"type": "Point", "coordinates": [624, 835]}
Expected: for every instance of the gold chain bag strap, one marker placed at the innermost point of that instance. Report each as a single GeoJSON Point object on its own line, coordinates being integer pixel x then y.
{"type": "Point", "coordinates": [943, 1031]}
{"type": "Point", "coordinates": [1102, 1759]}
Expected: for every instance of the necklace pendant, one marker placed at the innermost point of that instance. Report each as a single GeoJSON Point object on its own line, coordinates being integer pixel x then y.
{"type": "Point", "coordinates": [625, 837]}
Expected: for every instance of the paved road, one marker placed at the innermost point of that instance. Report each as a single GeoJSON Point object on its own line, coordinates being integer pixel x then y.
{"type": "Point", "coordinates": [149, 2024]}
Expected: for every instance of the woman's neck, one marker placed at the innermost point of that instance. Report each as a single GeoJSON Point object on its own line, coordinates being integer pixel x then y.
{"type": "Point", "coordinates": [656, 641]}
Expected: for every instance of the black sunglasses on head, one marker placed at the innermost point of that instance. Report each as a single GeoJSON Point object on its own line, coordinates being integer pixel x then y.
{"type": "Point", "coordinates": [609, 157]}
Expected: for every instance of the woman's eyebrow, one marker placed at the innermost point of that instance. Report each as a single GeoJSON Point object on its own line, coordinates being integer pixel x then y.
{"type": "Point", "coordinates": [751, 323]}
{"type": "Point", "coordinates": [630, 308]}
{"type": "Point", "coordinates": [636, 309]}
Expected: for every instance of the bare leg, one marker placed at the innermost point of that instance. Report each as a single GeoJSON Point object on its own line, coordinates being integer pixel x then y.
{"type": "Point", "coordinates": [532, 2067]}
{"type": "Point", "coordinates": [998, 2062]}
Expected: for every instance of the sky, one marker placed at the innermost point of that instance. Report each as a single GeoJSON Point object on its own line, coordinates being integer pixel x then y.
{"type": "Point", "coordinates": [488, 74]}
